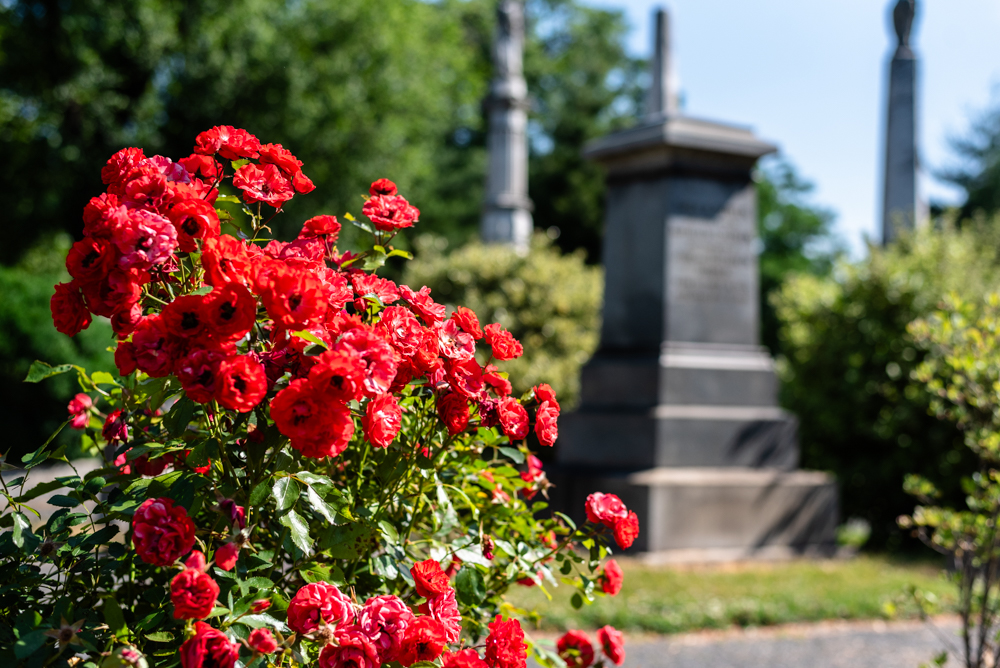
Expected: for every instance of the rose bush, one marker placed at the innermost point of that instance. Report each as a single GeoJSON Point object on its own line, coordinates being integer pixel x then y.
{"type": "Point", "coordinates": [302, 462]}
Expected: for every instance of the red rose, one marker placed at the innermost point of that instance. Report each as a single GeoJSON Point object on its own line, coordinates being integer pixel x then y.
{"type": "Point", "coordinates": [91, 259]}
{"type": "Point", "coordinates": [241, 384]}
{"type": "Point", "coordinates": [115, 428]}
{"type": "Point", "coordinates": [201, 165]}
{"type": "Point", "coordinates": [377, 356]}
{"type": "Point", "coordinates": [390, 212]}
{"type": "Point", "coordinates": [544, 392]}
{"type": "Point", "coordinates": [338, 374]}
{"type": "Point", "coordinates": [226, 259]}
{"type": "Point", "coordinates": [499, 383]}
{"type": "Point", "coordinates": [302, 184]}
{"type": "Point", "coordinates": [226, 556]}
{"type": "Point", "coordinates": [424, 641]}
{"type": "Point", "coordinates": [352, 649]}
{"type": "Point", "coordinates": [370, 284]}
{"type": "Point", "coordinates": [229, 142]}
{"type": "Point", "coordinates": [605, 509]}
{"type": "Point", "coordinates": [262, 641]}
{"type": "Point", "coordinates": [185, 316]}
{"type": "Point", "coordinates": [627, 530]}
{"type": "Point", "coordinates": [513, 418]}
{"type": "Point", "coordinates": [318, 603]}
{"type": "Point", "coordinates": [260, 605]}
{"type": "Point", "coordinates": [193, 594]}
{"type": "Point", "coordinates": [444, 608]}
{"type": "Point", "coordinates": [69, 313]}
{"type": "Point", "coordinates": [120, 165]}
{"type": "Point", "coordinates": [198, 373]}
{"type": "Point", "coordinates": [161, 533]}
{"type": "Point", "coordinates": [611, 578]}
{"type": "Point", "coordinates": [466, 378]}
{"type": "Point", "coordinates": [401, 329]}
{"type": "Point", "coordinates": [322, 226]}
{"type": "Point", "coordinates": [466, 658]}
{"type": "Point", "coordinates": [382, 421]}
{"type": "Point", "coordinates": [293, 297]}
{"type": "Point", "coordinates": [575, 649]}
{"type": "Point", "coordinates": [263, 184]}
{"type": "Point", "coordinates": [280, 157]}
{"type": "Point", "coordinates": [429, 579]}
{"type": "Point", "coordinates": [505, 646]}
{"type": "Point", "coordinates": [230, 312]}
{"type": "Point", "coordinates": [546, 427]}
{"type": "Point", "coordinates": [612, 643]}
{"type": "Point", "coordinates": [193, 219]}
{"type": "Point", "coordinates": [196, 560]}
{"type": "Point", "coordinates": [152, 348]}
{"type": "Point", "coordinates": [426, 308]}
{"type": "Point", "coordinates": [79, 410]}
{"type": "Point", "coordinates": [467, 320]}
{"type": "Point", "coordinates": [453, 410]}
{"type": "Point", "coordinates": [125, 318]}
{"type": "Point", "coordinates": [382, 187]}
{"type": "Point", "coordinates": [505, 346]}
{"type": "Point", "coordinates": [208, 648]}
{"type": "Point", "coordinates": [317, 428]}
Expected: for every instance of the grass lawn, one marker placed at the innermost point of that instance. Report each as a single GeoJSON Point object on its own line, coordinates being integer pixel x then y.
{"type": "Point", "coordinates": [665, 599]}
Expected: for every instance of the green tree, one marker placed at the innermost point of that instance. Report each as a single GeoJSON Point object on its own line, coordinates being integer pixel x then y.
{"type": "Point", "coordinates": [979, 172]}
{"type": "Point", "coordinates": [795, 237]}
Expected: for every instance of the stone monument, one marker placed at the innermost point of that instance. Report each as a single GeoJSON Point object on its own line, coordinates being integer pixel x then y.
{"type": "Point", "coordinates": [507, 213]}
{"type": "Point", "coordinates": [900, 209]}
{"type": "Point", "coordinates": [679, 413]}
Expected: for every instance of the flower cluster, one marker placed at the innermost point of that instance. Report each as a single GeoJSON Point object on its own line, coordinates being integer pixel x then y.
{"type": "Point", "coordinates": [577, 650]}
{"type": "Point", "coordinates": [297, 444]}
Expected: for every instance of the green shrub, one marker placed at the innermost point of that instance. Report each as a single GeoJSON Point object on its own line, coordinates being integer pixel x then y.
{"type": "Point", "coordinates": [551, 302]}
{"type": "Point", "coordinates": [848, 362]}
{"type": "Point", "coordinates": [31, 413]}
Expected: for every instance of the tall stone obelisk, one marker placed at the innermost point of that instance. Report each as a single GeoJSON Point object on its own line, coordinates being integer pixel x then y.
{"type": "Point", "coordinates": [900, 209]}
{"type": "Point", "coordinates": [679, 413]}
{"type": "Point", "coordinates": [507, 213]}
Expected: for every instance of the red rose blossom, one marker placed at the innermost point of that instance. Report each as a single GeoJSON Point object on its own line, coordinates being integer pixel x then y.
{"type": "Point", "coordinates": [466, 658]}
{"type": "Point", "coordinates": [505, 346]}
{"type": "Point", "coordinates": [262, 641]}
{"type": "Point", "coordinates": [428, 578]}
{"type": "Point", "coordinates": [229, 142]}
{"type": "Point", "coordinates": [226, 556]}
{"type": "Point", "coordinates": [546, 426]}
{"type": "Point", "coordinates": [384, 620]}
{"type": "Point", "coordinates": [612, 644]}
{"type": "Point", "coordinates": [318, 603]}
{"type": "Point", "coordinates": [611, 578]}
{"type": "Point", "coordinates": [390, 212]}
{"type": "Point", "coordinates": [185, 316]}
{"type": "Point", "coordinates": [115, 428]}
{"type": "Point", "coordinates": [208, 648]}
{"type": "Point", "coordinates": [424, 641]}
{"type": "Point", "coordinates": [513, 418]}
{"type": "Point", "coordinates": [321, 226]}
{"type": "Point", "coordinates": [444, 608]}
{"type": "Point", "coordinates": [317, 427]}
{"type": "Point", "coordinates": [626, 530]}
{"type": "Point", "coordinates": [91, 259]}
{"type": "Point", "coordinates": [161, 532]}
{"type": "Point", "coordinates": [382, 187]}
{"type": "Point", "coordinates": [605, 509]}
{"type": "Point", "coordinates": [69, 313]}
{"type": "Point", "coordinates": [79, 410]}
{"type": "Point", "coordinates": [382, 421]}
{"type": "Point", "coordinates": [453, 409]}
{"type": "Point", "coordinates": [193, 594]}
{"type": "Point", "coordinates": [120, 165]}
{"type": "Point", "coordinates": [193, 219]}
{"type": "Point", "coordinates": [575, 649]}
{"type": "Point", "coordinates": [263, 184]}
{"type": "Point", "coordinates": [505, 646]}
{"type": "Point", "coordinates": [468, 321]}
{"type": "Point", "coordinates": [421, 301]}
{"type": "Point", "coordinates": [229, 312]}
{"type": "Point", "coordinates": [351, 649]}
{"type": "Point", "coordinates": [242, 383]}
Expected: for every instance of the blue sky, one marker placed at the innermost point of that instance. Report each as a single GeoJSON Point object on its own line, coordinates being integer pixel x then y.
{"type": "Point", "coordinates": [810, 76]}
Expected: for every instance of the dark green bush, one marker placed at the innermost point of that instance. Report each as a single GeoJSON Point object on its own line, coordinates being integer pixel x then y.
{"type": "Point", "coordinates": [848, 362]}
{"type": "Point", "coordinates": [551, 302]}
{"type": "Point", "coordinates": [30, 413]}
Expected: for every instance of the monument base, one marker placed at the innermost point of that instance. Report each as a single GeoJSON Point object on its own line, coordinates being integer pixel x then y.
{"type": "Point", "coordinates": [739, 512]}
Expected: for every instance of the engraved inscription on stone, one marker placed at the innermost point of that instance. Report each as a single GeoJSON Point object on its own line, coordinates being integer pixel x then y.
{"type": "Point", "coordinates": [711, 252]}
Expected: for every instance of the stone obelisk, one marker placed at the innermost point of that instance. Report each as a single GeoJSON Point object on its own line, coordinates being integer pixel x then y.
{"type": "Point", "coordinates": [679, 413]}
{"type": "Point", "coordinates": [900, 210]}
{"type": "Point", "coordinates": [507, 213]}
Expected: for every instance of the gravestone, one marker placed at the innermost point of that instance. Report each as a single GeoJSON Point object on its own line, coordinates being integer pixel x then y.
{"type": "Point", "coordinates": [900, 209]}
{"type": "Point", "coordinates": [679, 411]}
{"type": "Point", "coordinates": [507, 211]}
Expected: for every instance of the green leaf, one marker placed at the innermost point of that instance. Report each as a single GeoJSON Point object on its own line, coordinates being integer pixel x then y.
{"type": "Point", "coordinates": [320, 506]}
{"type": "Point", "coordinates": [160, 636]}
{"type": "Point", "coordinates": [179, 417]}
{"type": "Point", "coordinates": [360, 223]}
{"type": "Point", "coordinates": [29, 643]}
{"type": "Point", "coordinates": [285, 493]}
{"type": "Point", "coordinates": [33, 459]}
{"type": "Point", "coordinates": [470, 586]}
{"type": "Point", "coordinates": [375, 260]}
{"type": "Point", "coordinates": [299, 530]}
{"type": "Point", "coordinates": [263, 621]}
{"type": "Point", "coordinates": [378, 248]}
{"type": "Point", "coordinates": [239, 163]}
{"type": "Point", "coordinates": [259, 493]}
{"type": "Point", "coordinates": [565, 518]}
{"type": "Point", "coordinates": [514, 454]}
{"type": "Point", "coordinates": [41, 488]}
{"type": "Point", "coordinates": [315, 573]}
{"type": "Point", "coordinates": [385, 566]}
{"type": "Point", "coordinates": [396, 252]}
{"type": "Point", "coordinates": [113, 616]}
{"type": "Point", "coordinates": [228, 198]}
{"type": "Point", "coordinates": [39, 371]}
{"type": "Point", "coordinates": [21, 525]}
{"type": "Point", "coordinates": [388, 531]}
{"type": "Point", "coordinates": [310, 337]}
{"type": "Point", "coordinates": [103, 378]}
{"type": "Point", "coordinates": [348, 541]}
{"type": "Point", "coordinates": [322, 483]}
{"type": "Point", "coordinates": [576, 601]}
{"type": "Point", "coordinates": [63, 501]}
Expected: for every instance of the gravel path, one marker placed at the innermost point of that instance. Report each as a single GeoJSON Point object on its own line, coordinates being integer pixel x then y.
{"type": "Point", "coordinates": [824, 645]}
